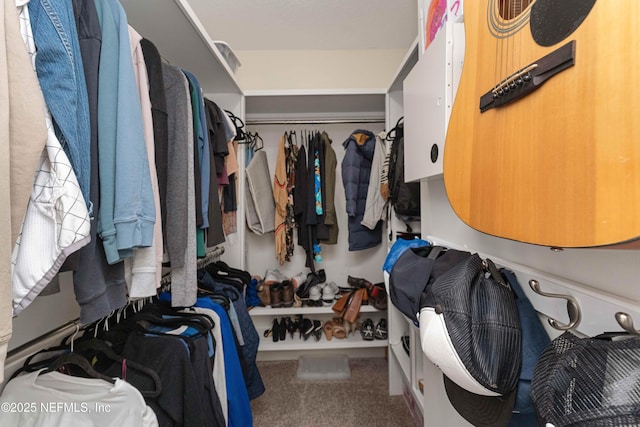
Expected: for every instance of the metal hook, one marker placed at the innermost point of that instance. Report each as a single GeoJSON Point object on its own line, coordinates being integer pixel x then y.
{"type": "Point", "coordinates": [73, 337]}
{"type": "Point", "coordinates": [573, 309]}
{"type": "Point", "coordinates": [626, 322]}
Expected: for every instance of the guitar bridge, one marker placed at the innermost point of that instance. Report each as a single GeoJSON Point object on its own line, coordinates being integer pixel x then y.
{"type": "Point", "coordinates": [529, 78]}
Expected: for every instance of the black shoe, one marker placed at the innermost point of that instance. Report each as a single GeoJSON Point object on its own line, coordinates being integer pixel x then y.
{"type": "Point", "coordinates": [307, 328]}
{"type": "Point", "coordinates": [367, 330]}
{"type": "Point", "coordinates": [381, 330]}
{"type": "Point", "coordinates": [292, 326]}
{"type": "Point", "coordinates": [303, 290]}
{"type": "Point", "coordinates": [275, 330]}
{"type": "Point", "coordinates": [282, 329]}
{"type": "Point", "coordinates": [317, 329]}
{"type": "Point", "coordinates": [406, 345]}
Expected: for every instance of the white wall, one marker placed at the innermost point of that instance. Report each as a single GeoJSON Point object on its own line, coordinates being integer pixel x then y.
{"type": "Point", "coordinates": [609, 271]}
{"type": "Point", "coordinates": [317, 69]}
{"type": "Point", "coordinates": [338, 262]}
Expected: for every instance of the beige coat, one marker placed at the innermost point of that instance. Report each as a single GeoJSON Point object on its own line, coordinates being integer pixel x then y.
{"type": "Point", "coordinates": [22, 138]}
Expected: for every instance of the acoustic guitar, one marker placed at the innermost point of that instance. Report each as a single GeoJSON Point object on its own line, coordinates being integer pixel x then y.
{"type": "Point", "coordinates": [543, 143]}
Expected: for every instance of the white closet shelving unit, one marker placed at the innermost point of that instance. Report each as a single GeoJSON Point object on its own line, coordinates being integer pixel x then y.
{"type": "Point", "coordinates": [405, 370]}
{"type": "Point", "coordinates": [339, 112]}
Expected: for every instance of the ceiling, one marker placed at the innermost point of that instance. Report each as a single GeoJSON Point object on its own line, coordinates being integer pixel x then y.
{"type": "Point", "coordinates": [310, 24]}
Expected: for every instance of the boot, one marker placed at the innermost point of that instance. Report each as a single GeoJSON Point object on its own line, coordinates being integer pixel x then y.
{"type": "Point", "coordinates": [287, 293]}
{"type": "Point", "coordinates": [275, 293]}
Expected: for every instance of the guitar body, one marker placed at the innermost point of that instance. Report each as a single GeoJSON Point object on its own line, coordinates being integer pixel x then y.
{"type": "Point", "coordinates": [560, 166]}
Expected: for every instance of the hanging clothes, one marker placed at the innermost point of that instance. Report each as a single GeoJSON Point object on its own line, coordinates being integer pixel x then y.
{"type": "Point", "coordinates": [330, 164]}
{"type": "Point", "coordinates": [202, 161]}
{"type": "Point", "coordinates": [374, 205]}
{"type": "Point", "coordinates": [181, 199]}
{"type": "Point", "coordinates": [281, 196]}
{"type": "Point", "coordinates": [75, 400]}
{"type": "Point", "coordinates": [259, 200]}
{"type": "Point", "coordinates": [143, 270]}
{"type": "Point", "coordinates": [56, 221]}
{"type": "Point", "coordinates": [291, 155]}
{"type": "Point", "coordinates": [61, 76]}
{"type": "Point", "coordinates": [22, 138]}
{"type": "Point", "coordinates": [239, 406]}
{"type": "Point", "coordinates": [356, 172]}
{"type": "Point", "coordinates": [127, 211]}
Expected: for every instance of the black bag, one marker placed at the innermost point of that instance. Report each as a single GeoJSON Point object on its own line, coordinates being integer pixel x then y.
{"type": "Point", "coordinates": [403, 196]}
{"type": "Point", "coordinates": [414, 271]}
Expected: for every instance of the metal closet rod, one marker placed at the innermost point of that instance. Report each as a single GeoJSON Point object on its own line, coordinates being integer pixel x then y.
{"type": "Point", "coordinates": [313, 122]}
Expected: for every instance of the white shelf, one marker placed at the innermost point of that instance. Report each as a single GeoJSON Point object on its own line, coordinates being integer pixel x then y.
{"type": "Point", "coordinates": [354, 341]}
{"type": "Point", "coordinates": [293, 105]}
{"type": "Point", "coordinates": [292, 311]}
{"type": "Point", "coordinates": [406, 65]}
{"type": "Point", "coordinates": [172, 26]}
{"type": "Point", "coordinates": [403, 360]}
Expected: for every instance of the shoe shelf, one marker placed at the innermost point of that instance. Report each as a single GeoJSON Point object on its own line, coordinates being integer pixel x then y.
{"type": "Point", "coordinates": [295, 343]}
{"type": "Point", "coordinates": [403, 360]}
{"type": "Point", "coordinates": [292, 311]}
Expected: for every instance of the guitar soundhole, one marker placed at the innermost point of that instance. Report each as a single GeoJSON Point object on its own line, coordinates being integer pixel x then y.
{"type": "Point", "coordinates": [554, 20]}
{"type": "Point", "coordinates": [510, 9]}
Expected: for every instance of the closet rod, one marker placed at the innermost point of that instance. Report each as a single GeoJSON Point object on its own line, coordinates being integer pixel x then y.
{"type": "Point", "coordinates": [313, 122]}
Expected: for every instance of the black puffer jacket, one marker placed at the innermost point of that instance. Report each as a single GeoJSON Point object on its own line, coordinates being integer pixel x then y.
{"type": "Point", "coordinates": [356, 171]}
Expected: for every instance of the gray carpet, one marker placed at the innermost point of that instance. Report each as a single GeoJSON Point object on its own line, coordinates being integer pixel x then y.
{"type": "Point", "coordinates": [363, 400]}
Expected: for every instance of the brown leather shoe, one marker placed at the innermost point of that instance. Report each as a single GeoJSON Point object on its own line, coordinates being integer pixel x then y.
{"type": "Point", "coordinates": [341, 305]}
{"type": "Point", "coordinates": [353, 310]}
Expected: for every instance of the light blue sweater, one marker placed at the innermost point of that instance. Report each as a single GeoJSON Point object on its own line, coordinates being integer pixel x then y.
{"type": "Point", "coordinates": [127, 211]}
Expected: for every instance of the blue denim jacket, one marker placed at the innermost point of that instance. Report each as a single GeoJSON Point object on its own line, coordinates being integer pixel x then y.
{"type": "Point", "coordinates": [61, 75]}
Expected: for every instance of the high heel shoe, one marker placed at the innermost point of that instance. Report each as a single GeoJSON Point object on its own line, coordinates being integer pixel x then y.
{"type": "Point", "coordinates": [334, 329]}
{"type": "Point", "coordinates": [307, 328]}
{"type": "Point", "coordinates": [317, 329]}
{"type": "Point", "coordinates": [282, 330]}
{"type": "Point", "coordinates": [292, 326]}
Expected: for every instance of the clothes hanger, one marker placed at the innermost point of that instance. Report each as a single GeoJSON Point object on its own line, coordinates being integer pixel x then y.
{"type": "Point", "coordinates": [221, 268]}
{"type": "Point", "coordinates": [79, 361]}
{"type": "Point", "coordinates": [240, 133]}
{"type": "Point", "coordinates": [259, 142]}
{"type": "Point", "coordinates": [94, 347]}
{"type": "Point", "coordinates": [29, 366]}
{"type": "Point", "coordinates": [163, 308]}
{"type": "Point", "coordinates": [391, 135]}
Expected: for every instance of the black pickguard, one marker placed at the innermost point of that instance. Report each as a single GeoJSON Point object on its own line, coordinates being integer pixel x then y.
{"type": "Point", "coordinates": [552, 21]}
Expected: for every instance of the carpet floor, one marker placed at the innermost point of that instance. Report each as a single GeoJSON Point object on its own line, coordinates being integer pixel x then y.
{"type": "Point", "coordinates": [363, 400]}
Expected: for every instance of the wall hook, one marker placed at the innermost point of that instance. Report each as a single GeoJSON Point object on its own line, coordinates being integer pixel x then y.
{"type": "Point", "coordinates": [573, 309]}
{"type": "Point", "coordinates": [626, 322]}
